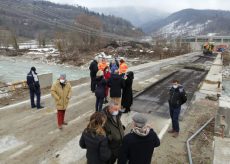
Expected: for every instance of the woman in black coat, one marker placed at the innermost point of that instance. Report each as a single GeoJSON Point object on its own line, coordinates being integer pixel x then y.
{"type": "Point", "coordinates": [94, 140]}
{"type": "Point", "coordinates": [100, 90]}
{"type": "Point", "coordinates": [127, 94]}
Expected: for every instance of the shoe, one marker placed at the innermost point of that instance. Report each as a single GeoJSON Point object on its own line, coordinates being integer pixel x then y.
{"type": "Point", "coordinates": [175, 134]}
{"type": "Point", "coordinates": [40, 107]}
{"type": "Point", "coordinates": [64, 123]}
{"type": "Point", "coordinates": [171, 131]}
{"type": "Point", "coordinates": [33, 106]}
{"type": "Point", "coordinates": [59, 127]}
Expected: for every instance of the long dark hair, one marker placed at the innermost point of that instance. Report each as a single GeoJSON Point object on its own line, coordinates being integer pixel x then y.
{"type": "Point", "coordinates": [97, 120]}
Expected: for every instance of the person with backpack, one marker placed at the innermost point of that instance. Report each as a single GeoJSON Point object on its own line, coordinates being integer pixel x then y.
{"type": "Point", "coordinates": [95, 141]}
{"type": "Point", "coordinates": [177, 97]}
{"type": "Point", "coordinates": [100, 90]}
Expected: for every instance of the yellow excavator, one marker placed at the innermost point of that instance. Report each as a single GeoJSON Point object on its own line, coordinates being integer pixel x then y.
{"type": "Point", "coordinates": [208, 48]}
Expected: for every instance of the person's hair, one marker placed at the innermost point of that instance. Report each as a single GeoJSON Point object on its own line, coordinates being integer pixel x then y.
{"type": "Point", "coordinates": [175, 81]}
{"type": "Point", "coordinates": [122, 61]}
{"type": "Point", "coordinates": [106, 68]}
{"type": "Point", "coordinates": [96, 123]}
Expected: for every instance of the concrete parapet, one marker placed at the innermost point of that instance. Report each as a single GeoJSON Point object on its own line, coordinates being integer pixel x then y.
{"type": "Point", "coordinates": [46, 80]}
{"type": "Point", "coordinates": [212, 85]}
{"type": "Point", "coordinates": [222, 123]}
{"type": "Point", "coordinates": [221, 150]}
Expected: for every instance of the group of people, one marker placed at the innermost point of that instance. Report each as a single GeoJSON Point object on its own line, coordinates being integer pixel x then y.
{"type": "Point", "coordinates": [112, 76]}
{"type": "Point", "coordinates": [104, 136]}
{"type": "Point", "coordinates": [106, 143]}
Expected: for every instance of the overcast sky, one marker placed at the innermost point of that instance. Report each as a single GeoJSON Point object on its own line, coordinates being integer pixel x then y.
{"type": "Point", "coordinates": [165, 5]}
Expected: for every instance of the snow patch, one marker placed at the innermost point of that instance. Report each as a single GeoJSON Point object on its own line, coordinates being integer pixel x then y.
{"type": "Point", "coordinates": [9, 142]}
{"type": "Point", "coordinates": [176, 29]}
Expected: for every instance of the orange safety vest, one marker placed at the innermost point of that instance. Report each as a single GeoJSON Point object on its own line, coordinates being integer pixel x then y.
{"type": "Point", "coordinates": [102, 65]}
{"type": "Point", "coordinates": [123, 68]}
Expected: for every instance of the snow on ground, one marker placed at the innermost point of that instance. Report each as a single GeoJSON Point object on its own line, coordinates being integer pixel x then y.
{"type": "Point", "coordinates": [9, 142]}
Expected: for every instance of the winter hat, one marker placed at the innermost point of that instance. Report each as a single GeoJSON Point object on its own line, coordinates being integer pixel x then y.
{"type": "Point", "coordinates": [33, 69]}
{"type": "Point", "coordinates": [63, 75]}
{"type": "Point", "coordinates": [96, 58]}
{"type": "Point", "coordinates": [100, 73]}
{"type": "Point", "coordinates": [140, 120]}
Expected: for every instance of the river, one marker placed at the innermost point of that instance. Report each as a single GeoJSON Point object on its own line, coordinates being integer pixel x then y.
{"type": "Point", "coordinates": [16, 68]}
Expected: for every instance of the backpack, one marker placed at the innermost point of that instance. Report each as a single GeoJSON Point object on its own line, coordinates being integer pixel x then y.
{"type": "Point", "coordinates": [183, 97]}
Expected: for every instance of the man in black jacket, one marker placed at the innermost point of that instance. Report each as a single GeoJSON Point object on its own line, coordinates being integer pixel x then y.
{"type": "Point", "coordinates": [116, 84]}
{"type": "Point", "coordinates": [138, 146]}
{"type": "Point", "coordinates": [93, 72]}
{"type": "Point", "coordinates": [34, 86]}
{"type": "Point", "coordinates": [177, 97]}
{"type": "Point", "coordinates": [114, 130]}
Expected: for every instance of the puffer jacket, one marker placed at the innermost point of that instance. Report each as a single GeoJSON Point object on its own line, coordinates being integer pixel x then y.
{"type": "Point", "coordinates": [98, 151]}
{"type": "Point", "coordinates": [61, 94]}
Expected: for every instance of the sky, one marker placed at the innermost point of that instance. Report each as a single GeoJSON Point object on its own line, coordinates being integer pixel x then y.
{"type": "Point", "coordinates": [164, 5]}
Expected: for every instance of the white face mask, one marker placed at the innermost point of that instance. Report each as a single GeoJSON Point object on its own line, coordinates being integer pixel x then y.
{"type": "Point", "coordinates": [175, 86]}
{"type": "Point", "coordinates": [115, 113]}
{"type": "Point", "coordinates": [62, 81]}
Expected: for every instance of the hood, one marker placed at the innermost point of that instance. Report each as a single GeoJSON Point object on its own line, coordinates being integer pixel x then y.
{"type": "Point", "coordinates": [141, 131]}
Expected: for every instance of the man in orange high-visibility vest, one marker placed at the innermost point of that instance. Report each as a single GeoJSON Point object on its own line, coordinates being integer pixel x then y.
{"type": "Point", "coordinates": [123, 68]}
{"type": "Point", "coordinates": [102, 64]}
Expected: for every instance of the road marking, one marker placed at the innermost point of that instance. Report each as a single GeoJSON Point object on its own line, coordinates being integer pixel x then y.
{"type": "Point", "coordinates": [43, 97]}
{"type": "Point", "coordinates": [164, 129]}
{"type": "Point", "coordinates": [21, 151]}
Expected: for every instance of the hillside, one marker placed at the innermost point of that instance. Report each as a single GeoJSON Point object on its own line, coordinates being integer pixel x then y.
{"type": "Point", "coordinates": [190, 22]}
{"type": "Point", "coordinates": [28, 18]}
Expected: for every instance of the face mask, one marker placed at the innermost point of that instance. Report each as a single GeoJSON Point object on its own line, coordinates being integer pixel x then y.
{"type": "Point", "coordinates": [115, 113]}
{"type": "Point", "coordinates": [175, 86]}
{"type": "Point", "coordinates": [62, 81]}
{"type": "Point", "coordinates": [106, 70]}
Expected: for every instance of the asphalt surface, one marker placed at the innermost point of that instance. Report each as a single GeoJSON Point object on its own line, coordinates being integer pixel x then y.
{"type": "Point", "coordinates": [154, 100]}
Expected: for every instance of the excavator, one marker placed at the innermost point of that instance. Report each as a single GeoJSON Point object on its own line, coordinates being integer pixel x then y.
{"type": "Point", "coordinates": [208, 48]}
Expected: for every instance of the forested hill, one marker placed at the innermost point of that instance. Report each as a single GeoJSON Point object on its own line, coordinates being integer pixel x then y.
{"type": "Point", "coordinates": [29, 18]}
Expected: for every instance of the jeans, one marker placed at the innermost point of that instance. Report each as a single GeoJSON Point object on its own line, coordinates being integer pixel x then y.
{"type": "Point", "coordinates": [38, 95]}
{"type": "Point", "coordinates": [99, 103]}
{"type": "Point", "coordinates": [174, 114]}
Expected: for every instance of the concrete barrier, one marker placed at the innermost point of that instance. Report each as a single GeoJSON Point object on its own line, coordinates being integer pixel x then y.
{"type": "Point", "coordinates": [46, 80]}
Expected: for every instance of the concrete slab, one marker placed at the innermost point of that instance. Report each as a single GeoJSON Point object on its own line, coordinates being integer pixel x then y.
{"type": "Point", "coordinates": [221, 150]}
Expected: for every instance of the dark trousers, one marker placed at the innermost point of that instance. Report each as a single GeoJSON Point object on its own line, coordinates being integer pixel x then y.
{"type": "Point", "coordinates": [174, 114]}
{"type": "Point", "coordinates": [99, 103]}
{"type": "Point", "coordinates": [60, 117]}
{"type": "Point", "coordinates": [112, 159]}
{"type": "Point", "coordinates": [93, 84]}
{"type": "Point", "coordinates": [36, 92]}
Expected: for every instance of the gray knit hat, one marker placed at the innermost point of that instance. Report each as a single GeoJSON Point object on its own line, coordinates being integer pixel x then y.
{"type": "Point", "coordinates": [63, 75]}
{"type": "Point", "coordinates": [140, 120]}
